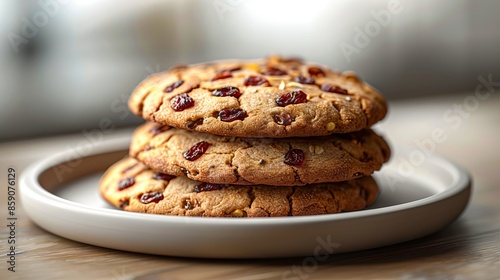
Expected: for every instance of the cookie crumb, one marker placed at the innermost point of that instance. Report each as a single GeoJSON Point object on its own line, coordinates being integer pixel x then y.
{"type": "Point", "coordinates": [238, 213]}
{"type": "Point", "coordinates": [316, 149]}
{"type": "Point", "coordinates": [295, 84]}
{"type": "Point", "coordinates": [330, 126]}
{"type": "Point", "coordinates": [282, 85]}
{"type": "Point", "coordinates": [311, 149]}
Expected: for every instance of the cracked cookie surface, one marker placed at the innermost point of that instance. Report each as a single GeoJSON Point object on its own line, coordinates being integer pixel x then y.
{"type": "Point", "coordinates": [250, 161]}
{"type": "Point", "coordinates": [132, 186]}
{"type": "Point", "coordinates": [274, 97]}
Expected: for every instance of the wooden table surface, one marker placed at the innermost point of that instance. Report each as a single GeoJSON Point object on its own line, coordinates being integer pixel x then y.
{"type": "Point", "coordinates": [467, 249]}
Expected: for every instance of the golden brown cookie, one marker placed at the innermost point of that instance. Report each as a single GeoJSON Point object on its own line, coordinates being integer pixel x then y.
{"type": "Point", "coordinates": [132, 186]}
{"type": "Point", "coordinates": [263, 98]}
{"type": "Point", "coordinates": [251, 161]}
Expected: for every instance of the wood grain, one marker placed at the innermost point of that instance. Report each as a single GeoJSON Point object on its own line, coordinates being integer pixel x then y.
{"type": "Point", "coordinates": [467, 249]}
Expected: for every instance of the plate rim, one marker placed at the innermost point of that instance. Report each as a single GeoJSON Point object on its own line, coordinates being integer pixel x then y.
{"type": "Point", "coordinates": [31, 188]}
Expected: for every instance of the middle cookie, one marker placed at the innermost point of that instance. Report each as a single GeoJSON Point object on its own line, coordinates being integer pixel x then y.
{"type": "Point", "coordinates": [251, 161]}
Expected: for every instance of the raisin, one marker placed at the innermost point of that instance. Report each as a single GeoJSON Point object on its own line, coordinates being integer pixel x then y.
{"type": "Point", "coordinates": [123, 203]}
{"type": "Point", "coordinates": [294, 157]}
{"type": "Point", "coordinates": [159, 129]}
{"type": "Point", "coordinates": [227, 91]}
{"type": "Point", "coordinates": [181, 102]}
{"type": "Point", "coordinates": [222, 74]}
{"type": "Point", "coordinates": [283, 119]}
{"type": "Point", "coordinates": [236, 68]}
{"type": "Point", "coordinates": [196, 151]}
{"type": "Point", "coordinates": [163, 176]}
{"type": "Point", "coordinates": [274, 71]}
{"type": "Point", "coordinates": [256, 81]}
{"type": "Point", "coordinates": [294, 97]}
{"type": "Point", "coordinates": [316, 72]}
{"type": "Point", "coordinates": [207, 187]}
{"type": "Point", "coordinates": [304, 80]}
{"type": "Point", "coordinates": [233, 114]}
{"type": "Point", "coordinates": [194, 124]}
{"type": "Point", "coordinates": [126, 183]}
{"type": "Point", "coordinates": [173, 86]}
{"type": "Point", "coordinates": [151, 197]}
{"type": "Point", "coordinates": [333, 88]}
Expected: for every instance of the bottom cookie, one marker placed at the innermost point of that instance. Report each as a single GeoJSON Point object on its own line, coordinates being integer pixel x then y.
{"type": "Point", "coordinates": [132, 186]}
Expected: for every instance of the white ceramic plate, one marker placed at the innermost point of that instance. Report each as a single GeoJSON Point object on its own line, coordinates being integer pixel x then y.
{"type": "Point", "coordinates": [419, 195]}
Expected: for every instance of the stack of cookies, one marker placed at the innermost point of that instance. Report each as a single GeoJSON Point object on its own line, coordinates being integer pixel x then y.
{"type": "Point", "coordinates": [272, 137]}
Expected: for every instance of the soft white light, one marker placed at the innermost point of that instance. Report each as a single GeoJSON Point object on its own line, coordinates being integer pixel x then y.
{"type": "Point", "coordinates": [285, 13]}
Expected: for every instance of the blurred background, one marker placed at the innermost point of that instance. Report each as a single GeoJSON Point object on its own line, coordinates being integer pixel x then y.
{"type": "Point", "coordinates": [68, 65]}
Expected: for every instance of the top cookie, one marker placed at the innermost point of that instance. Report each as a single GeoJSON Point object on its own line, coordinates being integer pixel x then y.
{"type": "Point", "coordinates": [275, 98]}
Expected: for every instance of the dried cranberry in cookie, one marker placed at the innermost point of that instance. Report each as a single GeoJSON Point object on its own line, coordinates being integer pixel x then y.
{"type": "Point", "coordinates": [203, 187]}
{"type": "Point", "coordinates": [151, 197]}
{"type": "Point", "coordinates": [256, 81]}
{"type": "Point", "coordinates": [194, 124]}
{"type": "Point", "coordinates": [293, 97]}
{"type": "Point", "coordinates": [233, 114]}
{"type": "Point", "coordinates": [196, 151]}
{"type": "Point", "coordinates": [227, 91]}
{"type": "Point", "coordinates": [333, 88]}
{"type": "Point", "coordinates": [294, 157]}
{"type": "Point", "coordinates": [159, 129]}
{"type": "Point", "coordinates": [304, 80]}
{"type": "Point", "coordinates": [181, 102]}
{"type": "Point", "coordinates": [316, 72]}
{"type": "Point", "coordinates": [162, 176]}
{"type": "Point", "coordinates": [173, 86]}
{"type": "Point", "coordinates": [236, 68]}
{"type": "Point", "coordinates": [123, 204]}
{"type": "Point", "coordinates": [274, 71]}
{"type": "Point", "coordinates": [283, 119]}
{"type": "Point", "coordinates": [126, 183]}
{"type": "Point", "coordinates": [224, 74]}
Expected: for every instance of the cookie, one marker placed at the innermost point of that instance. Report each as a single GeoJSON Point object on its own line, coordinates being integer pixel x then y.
{"type": "Point", "coordinates": [132, 186]}
{"type": "Point", "coordinates": [251, 161]}
{"type": "Point", "coordinates": [274, 98]}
